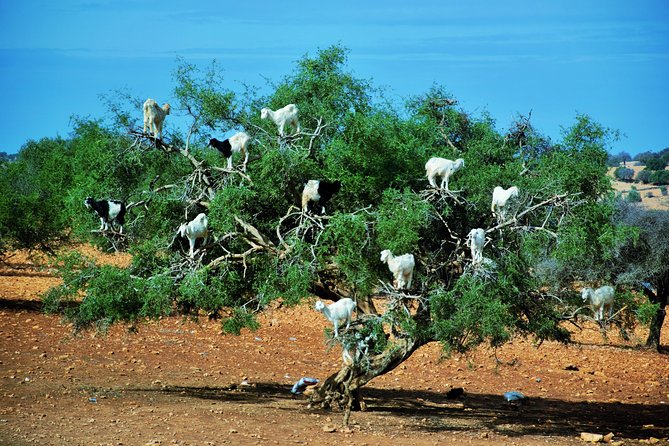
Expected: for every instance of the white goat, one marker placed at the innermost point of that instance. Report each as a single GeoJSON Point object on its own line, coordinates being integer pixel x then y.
{"type": "Point", "coordinates": [236, 143]}
{"type": "Point", "coordinates": [476, 239]}
{"type": "Point", "coordinates": [443, 168]}
{"type": "Point", "coordinates": [283, 116]}
{"type": "Point", "coordinates": [198, 228]}
{"type": "Point", "coordinates": [599, 299]}
{"type": "Point", "coordinates": [154, 116]}
{"type": "Point", "coordinates": [500, 197]}
{"type": "Point", "coordinates": [340, 310]}
{"type": "Point", "coordinates": [401, 267]}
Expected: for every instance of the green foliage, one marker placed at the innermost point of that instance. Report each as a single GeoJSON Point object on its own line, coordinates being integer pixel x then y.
{"type": "Point", "coordinates": [402, 216]}
{"type": "Point", "coordinates": [204, 96]}
{"type": "Point", "coordinates": [210, 290]}
{"type": "Point", "coordinates": [468, 314]}
{"type": "Point", "coordinates": [348, 238]}
{"type": "Point", "coordinates": [157, 294]}
{"type": "Point", "coordinates": [31, 195]}
{"type": "Point", "coordinates": [646, 312]}
{"type": "Point", "coordinates": [230, 202]}
{"type": "Point", "coordinates": [633, 196]}
{"type": "Point", "coordinates": [241, 318]}
{"type": "Point", "coordinates": [75, 270]}
{"type": "Point", "coordinates": [659, 177]}
{"type": "Point", "coordinates": [112, 295]}
{"type": "Point", "coordinates": [580, 167]}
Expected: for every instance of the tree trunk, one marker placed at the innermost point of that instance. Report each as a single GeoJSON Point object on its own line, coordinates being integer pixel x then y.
{"type": "Point", "coordinates": [342, 389]}
{"type": "Point", "coordinates": [661, 296]}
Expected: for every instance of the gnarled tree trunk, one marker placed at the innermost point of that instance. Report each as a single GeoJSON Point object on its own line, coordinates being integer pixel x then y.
{"type": "Point", "coordinates": [660, 296]}
{"type": "Point", "coordinates": [342, 389]}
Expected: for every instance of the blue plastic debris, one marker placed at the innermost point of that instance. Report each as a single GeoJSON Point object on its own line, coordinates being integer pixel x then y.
{"type": "Point", "coordinates": [513, 396]}
{"type": "Point", "coordinates": [302, 384]}
{"type": "Point", "coordinates": [92, 400]}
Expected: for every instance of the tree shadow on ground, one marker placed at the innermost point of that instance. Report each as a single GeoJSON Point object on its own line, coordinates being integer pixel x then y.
{"type": "Point", "coordinates": [434, 412]}
{"type": "Point", "coordinates": [33, 306]}
{"type": "Point", "coordinates": [257, 393]}
{"type": "Point", "coordinates": [536, 416]}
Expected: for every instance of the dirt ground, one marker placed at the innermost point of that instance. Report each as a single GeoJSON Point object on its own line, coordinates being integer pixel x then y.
{"type": "Point", "coordinates": [179, 381]}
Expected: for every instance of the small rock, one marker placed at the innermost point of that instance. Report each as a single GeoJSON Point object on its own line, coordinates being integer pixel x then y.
{"type": "Point", "coordinates": [571, 368]}
{"type": "Point", "coordinates": [591, 438]}
{"type": "Point", "coordinates": [329, 429]}
{"type": "Point", "coordinates": [608, 438]}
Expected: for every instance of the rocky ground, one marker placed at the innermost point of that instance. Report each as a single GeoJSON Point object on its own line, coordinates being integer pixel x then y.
{"type": "Point", "coordinates": [179, 381]}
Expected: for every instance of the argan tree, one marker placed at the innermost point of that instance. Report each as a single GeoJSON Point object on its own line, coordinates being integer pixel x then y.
{"type": "Point", "coordinates": [265, 248]}
{"type": "Point", "coordinates": [641, 262]}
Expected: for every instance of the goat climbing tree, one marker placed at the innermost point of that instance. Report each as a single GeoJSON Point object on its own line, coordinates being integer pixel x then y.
{"type": "Point", "coordinates": [264, 248]}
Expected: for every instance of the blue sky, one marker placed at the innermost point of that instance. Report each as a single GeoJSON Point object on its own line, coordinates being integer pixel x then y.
{"type": "Point", "coordinates": [605, 58]}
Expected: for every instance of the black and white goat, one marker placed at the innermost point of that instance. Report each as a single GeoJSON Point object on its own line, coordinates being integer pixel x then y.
{"type": "Point", "coordinates": [236, 143]}
{"type": "Point", "coordinates": [319, 191]}
{"type": "Point", "coordinates": [109, 211]}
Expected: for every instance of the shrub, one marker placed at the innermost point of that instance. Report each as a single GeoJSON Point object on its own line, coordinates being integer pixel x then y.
{"type": "Point", "coordinates": [623, 174]}
{"type": "Point", "coordinates": [643, 176]}
{"type": "Point", "coordinates": [660, 177]}
{"type": "Point", "coordinates": [633, 196]}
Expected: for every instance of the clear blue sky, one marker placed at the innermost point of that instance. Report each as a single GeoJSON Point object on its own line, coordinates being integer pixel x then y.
{"type": "Point", "coordinates": [605, 58]}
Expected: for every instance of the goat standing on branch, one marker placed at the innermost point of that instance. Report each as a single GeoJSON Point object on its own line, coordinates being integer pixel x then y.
{"type": "Point", "coordinates": [500, 198]}
{"type": "Point", "coordinates": [442, 168]}
{"type": "Point", "coordinates": [237, 143]}
{"type": "Point", "coordinates": [154, 117]}
{"type": "Point", "coordinates": [283, 116]}
{"type": "Point", "coordinates": [476, 239]}
{"type": "Point", "coordinates": [319, 191]}
{"type": "Point", "coordinates": [340, 310]}
{"type": "Point", "coordinates": [401, 267]}
{"type": "Point", "coordinates": [198, 228]}
{"type": "Point", "coordinates": [109, 211]}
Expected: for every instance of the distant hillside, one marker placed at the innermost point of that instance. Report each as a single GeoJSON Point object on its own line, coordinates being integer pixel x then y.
{"type": "Point", "coordinates": [4, 156]}
{"type": "Point", "coordinates": [656, 201]}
